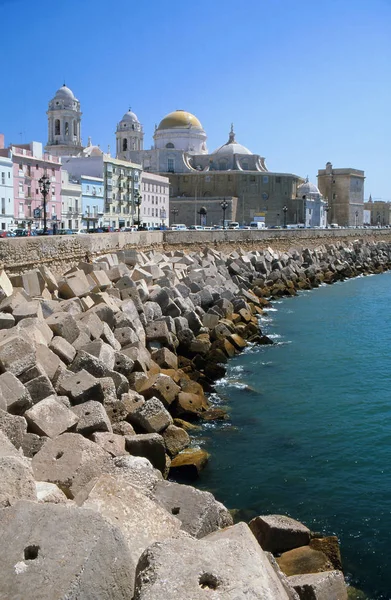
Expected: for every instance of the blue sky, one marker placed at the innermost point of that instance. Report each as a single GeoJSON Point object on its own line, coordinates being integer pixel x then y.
{"type": "Point", "coordinates": [304, 82]}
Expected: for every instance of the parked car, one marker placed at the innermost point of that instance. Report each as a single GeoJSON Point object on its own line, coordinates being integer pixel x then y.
{"type": "Point", "coordinates": [83, 230]}
{"type": "Point", "coordinates": [65, 232]}
{"type": "Point", "coordinates": [179, 227]}
{"type": "Point", "coordinates": [196, 227]}
{"type": "Point", "coordinates": [233, 225]}
{"type": "Point", "coordinates": [5, 234]}
{"type": "Point", "coordinates": [25, 232]}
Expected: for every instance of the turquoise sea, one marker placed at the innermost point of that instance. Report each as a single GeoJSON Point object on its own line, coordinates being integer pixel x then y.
{"type": "Point", "coordinates": [309, 433]}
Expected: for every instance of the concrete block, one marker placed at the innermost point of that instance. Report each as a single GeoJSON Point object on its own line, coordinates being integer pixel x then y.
{"type": "Point", "coordinates": [279, 533]}
{"type": "Point", "coordinates": [16, 396]}
{"type": "Point", "coordinates": [100, 279]}
{"type": "Point", "coordinates": [125, 336]}
{"type": "Point", "coordinates": [64, 325]}
{"type": "Point", "coordinates": [6, 287]}
{"type": "Point", "coordinates": [123, 364]}
{"type": "Point", "coordinates": [6, 447]}
{"type": "Point", "coordinates": [104, 352]}
{"type": "Point", "coordinates": [64, 350]}
{"type": "Point", "coordinates": [49, 492]}
{"type": "Point", "coordinates": [165, 358]}
{"type": "Point", "coordinates": [140, 356]}
{"type": "Point", "coordinates": [162, 387]}
{"type": "Point", "coordinates": [138, 273]}
{"type": "Point", "coordinates": [158, 331]}
{"type": "Point", "coordinates": [31, 444]}
{"type": "Point", "coordinates": [40, 388]}
{"type": "Point", "coordinates": [33, 282]}
{"type": "Point", "coordinates": [6, 320]}
{"type": "Point", "coordinates": [51, 418]}
{"type": "Point", "coordinates": [76, 285]}
{"type": "Point", "coordinates": [228, 564]}
{"type": "Point", "coordinates": [176, 439]}
{"type": "Point", "coordinates": [17, 481]}
{"type": "Point", "coordinates": [26, 310]}
{"type": "Point", "coordinates": [108, 337]}
{"type": "Point", "coordinates": [92, 417]}
{"type": "Point", "coordinates": [93, 554]}
{"type": "Point", "coordinates": [149, 445]}
{"type": "Point", "coordinates": [70, 461]}
{"type": "Point", "coordinates": [113, 444]}
{"type": "Point", "coordinates": [49, 278]}
{"type": "Point", "coordinates": [80, 387]}
{"type": "Point", "coordinates": [14, 427]}
{"type": "Point", "coordinates": [152, 417]}
{"type": "Point", "coordinates": [94, 324]}
{"type": "Point", "coordinates": [117, 272]}
{"type": "Point", "coordinates": [329, 585]}
{"type": "Point", "coordinates": [17, 354]}
{"type": "Point", "coordinates": [49, 361]}
{"type": "Point", "coordinates": [91, 364]}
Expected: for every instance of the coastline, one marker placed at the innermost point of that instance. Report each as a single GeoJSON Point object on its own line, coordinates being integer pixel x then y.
{"type": "Point", "coordinates": [170, 346]}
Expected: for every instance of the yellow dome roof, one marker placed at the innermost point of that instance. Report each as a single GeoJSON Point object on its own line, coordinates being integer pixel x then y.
{"type": "Point", "coordinates": [179, 118]}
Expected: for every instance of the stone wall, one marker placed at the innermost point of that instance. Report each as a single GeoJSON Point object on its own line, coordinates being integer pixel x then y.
{"type": "Point", "coordinates": [58, 252]}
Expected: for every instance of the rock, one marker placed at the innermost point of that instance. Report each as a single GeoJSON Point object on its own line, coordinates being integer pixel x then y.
{"type": "Point", "coordinates": [80, 387]}
{"type": "Point", "coordinates": [17, 481]}
{"type": "Point", "coordinates": [329, 545]}
{"type": "Point", "coordinates": [6, 447]}
{"type": "Point", "coordinates": [158, 331]}
{"type": "Point", "coordinates": [303, 560]}
{"type": "Point", "coordinates": [16, 396]}
{"type": "Point", "coordinates": [49, 361]}
{"type": "Point", "coordinates": [227, 564]}
{"type": "Point", "coordinates": [92, 417]}
{"type": "Point", "coordinates": [137, 471]}
{"type": "Point", "coordinates": [189, 463]}
{"type": "Point", "coordinates": [186, 425]}
{"type": "Point", "coordinates": [16, 354]}
{"type": "Point", "coordinates": [320, 586]}
{"type": "Point", "coordinates": [31, 444]}
{"type": "Point", "coordinates": [14, 427]}
{"type": "Point", "coordinates": [189, 404]}
{"type": "Point", "coordinates": [6, 320]}
{"type": "Point", "coordinates": [175, 439]}
{"type": "Point", "coordinates": [93, 555]}
{"type": "Point", "coordinates": [49, 417]}
{"type": "Point", "coordinates": [162, 387]}
{"type": "Point", "coordinates": [165, 358]}
{"type": "Point", "coordinates": [199, 512]}
{"type": "Point", "coordinates": [151, 416]}
{"type": "Point", "coordinates": [49, 492]}
{"type": "Point", "coordinates": [141, 520]}
{"type": "Point", "coordinates": [6, 287]}
{"type": "Point", "coordinates": [64, 325]}
{"type": "Point", "coordinates": [70, 461]}
{"type": "Point", "coordinates": [279, 533]}
{"type": "Point", "coordinates": [140, 356]}
{"type": "Point", "coordinates": [122, 428]}
{"type": "Point", "coordinates": [112, 443]}
{"type": "Point", "coordinates": [64, 350]}
{"type": "Point", "coordinates": [39, 388]}
{"type": "Point", "coordinates": [149, 445]}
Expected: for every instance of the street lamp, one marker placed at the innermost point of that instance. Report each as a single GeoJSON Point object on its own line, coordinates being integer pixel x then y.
{"type": "Point", "coordinates": [224, 206]}
{"type": "Point", "coordinates": [137, 202]}
{"type": "Point", "coordinates": [356, 215]}
{"type": "Point", "coordinates": [174, 211]}
{"type": "Point", "coordinates": [44, 186]}
{"type": "Point", "coordinates": [203, 212]}
{"type": "Point", "coordinates": [285, 210]}
{"type": "Point", "coordinates": [163, 216]}
{"type": "Point", "coordinates": [326, 209]}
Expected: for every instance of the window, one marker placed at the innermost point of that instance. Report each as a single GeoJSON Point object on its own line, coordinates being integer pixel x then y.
{"type": "Point", "coordinates": [3, 206]}
{"type": "Point", "coordinates": [76, 205]}
{"type": "Point", "coordinates": [36, 167]}
{"type": "Point", "coordinates": [170, 165]}
{"type": "Point", "coordinates": [74, 128]}
{"type": "Point", "coordinates": [66, 128]}
{"type": "Point", "coordinates": [265, 179]}
{"type": "Point", "coordinates": [9, 175]}
{"type": "Point", "coordinates": [53, 209]}
{"type": "Point", "coordinates": [278, 179]}
{"type": "Point", "coordinates": [56, 128]}
{"type": "Point", "coordinates": [3, 225]}
{"type": "Point", "coordinates": [252, 178]}
{"type": "Point", "coordinates": [29, 192]}
{"type": "Point", "coordinates": [124, 145]}
{"type": "Point", "coordinates": [170, 145]}
{"type": "Point", "coordinates": [20, 167]}
{"type": "Point", "coordinates": [3, 178]}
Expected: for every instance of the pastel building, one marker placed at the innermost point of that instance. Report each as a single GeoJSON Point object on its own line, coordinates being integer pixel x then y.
{"type": "Point", "coordinates": [7, 221]}
{"type": "Point", "coordinates": [71, 204]}
{"type": "Point", "coordinates": [92, 201]}
{"type": "Point", "coordinates": [155, 198]}
{"type": "Point", "coordinates": [30, 163]}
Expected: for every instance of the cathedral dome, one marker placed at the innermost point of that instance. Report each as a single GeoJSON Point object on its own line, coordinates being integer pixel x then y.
{"type": "Point", "coordinates": [130, 116]}
{"type": "Point", "coordinates": [179, 119]}
{"type": "Point", "coordinates": [232, 147]}
{"type": "Point", "coordinates": [65, 93]}
{"type": "Point", "coordinates": [308, 189]}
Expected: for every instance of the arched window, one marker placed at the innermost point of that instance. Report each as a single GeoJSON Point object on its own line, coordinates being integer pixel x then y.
{"type": "Point", "coordinates": [245, 165]}
{"type": "Point", "coordinates": [124, 145]}
{"type": "Point", "coordinates": [74, 128]}
{"type": "Point", "coordinates": [57, 127]}
{"type": "Point", "coordinates": [66, 128]}
{"type": "Point", "coordinates": [170, 145]}
{"type": "Point", "coordinates": [222, 165]}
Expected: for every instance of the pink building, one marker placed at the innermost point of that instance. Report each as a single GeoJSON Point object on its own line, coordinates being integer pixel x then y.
{"type": "Point", "coordinates": [30, 163]}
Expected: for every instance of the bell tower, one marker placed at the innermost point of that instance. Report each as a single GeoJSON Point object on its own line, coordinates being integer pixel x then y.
{"type": "Point", "coordinates": [64, 124]}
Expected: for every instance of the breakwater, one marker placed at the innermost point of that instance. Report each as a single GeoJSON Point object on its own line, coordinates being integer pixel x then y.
{"type": "Point", "coordinates": [103, 367]}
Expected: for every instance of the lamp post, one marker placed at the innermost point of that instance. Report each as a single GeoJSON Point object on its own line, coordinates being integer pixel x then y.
{"type": "Point", "coordinates": [285, 210]}
{"type": "Point", "coordinates": [174, 211]}
{"type": "Point", "coordinates": [224, 206]}
{"type": "Point", "coordinates": [44, 186]}
{"type": "Point", "coordinates": [356, 218]}
{"type": "Point", "coordinates": [326, 209]}
{"type": "Point", "coordinates": [137, 202]}
{"type": "Point", "coordinates": [163, 216]}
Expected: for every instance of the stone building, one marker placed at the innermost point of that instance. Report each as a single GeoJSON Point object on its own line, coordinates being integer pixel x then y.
{"type": "Point", "coordinates": [70, 202]}
{"type": "Point", "coordinates": [231, 171]}
{"type": "Point", "coordinates": [344, 191]}
{"type": "Point", "coordinates": [129, 136]}
{"type": "Point", "coordinates": [311, 209]}
{"type": "Point", "coordinates": [379, 212]}
{"type": "Point", "coordinates": [154, 208]}
{"type": "Point", "coordinates": [7, 221]}
{"type": "Point", "coordinates": [64, 124]}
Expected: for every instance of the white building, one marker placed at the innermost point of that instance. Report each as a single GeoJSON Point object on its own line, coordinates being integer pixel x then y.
{"type": "Point", "coordinates": [311, 204]}
{"type": "Point", "coordinates": [154, 208]}
{"type": "Point", "coordinates": [7, 221]}
{"type": "Point", "coordinates": [71, 205]}
{"type": "Point", "coordinates": [129, 136]}
{"type": "Point", "coordinates": [64, 124]}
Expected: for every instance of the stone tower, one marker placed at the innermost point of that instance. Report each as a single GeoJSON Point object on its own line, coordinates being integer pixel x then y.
{"type": "Point", "coordinates": [64, 124]}
{"type": "Point", "coordinates": [129, 136]}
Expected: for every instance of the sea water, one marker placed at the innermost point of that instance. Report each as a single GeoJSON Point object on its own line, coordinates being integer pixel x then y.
{"type": "Point", "coordinates": [309, 433]}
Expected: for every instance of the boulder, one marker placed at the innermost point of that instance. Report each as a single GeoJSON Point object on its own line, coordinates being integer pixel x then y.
{"type": "Point", "coordinates": [165, 358]}
{"type": "Point", "coordinates": [17, 354]}
{"type": "Point", "coordinates": [14, 427]}
{"type": "Point", "coordinates": [320, 586]}
{"type": "Point", "coordinates": [64, 350]}
{"type": "Point", "coordinates": [80, 387]}
{"type": "Point", "coordinates": [50, 418]}
{"type": "Point", "coordinates": [64, 325]}
{"type": "Point", "coordinates": [199, 512]}
{"type": "Point", "coordinates": [92, 560]}
{"type": "Point", "coordinates": [149, 445]}
{"type": "Point", "coordinates": [175, 439]}
{"type": "Point", "coordinates": [15, 394]}
{"type": "Point", "coordinates": [227, 564]}
{"type": "Point", "coordinates": [92, 417]}
{"type": "Point", "coordinates": [189, 463]}
{"type": "Point", "coordinates": [6, 447]}
{"type": "Point", "coordinates": [160, 386]}
{"type": "Point", "coordinates": [329, 545]}
{"type": "Point", "coordinates": [70, 461]}
{"type": "Point", "coordinates": [17, 481]}
{"type": "Point", "coordinates": [151, 416]}
{"type": "Point", "coordinates": [279, 533]}
{"type": "Point", "coordinates": [137, 471]}
{"type": "Point", "coordinates": [39, 388]}
{"type": "Point", "coordinates": [303, 560]}
{"type": "Point", "coordinates": [112, 443]}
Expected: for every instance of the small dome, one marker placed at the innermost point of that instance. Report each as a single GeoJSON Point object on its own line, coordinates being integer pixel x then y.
{"type": "Point", "coordinates": [65, 93]}
{"type": "Point", "coordinates": [232, 147]}
{"type": "Point", "coordinates": [130, 116]}
{"type": "Point", "coordinates": [308, 189]}
{"type": "Point", "coordinates": [91, 150]}
{"type": "Point", "coordinates": [179, 119]}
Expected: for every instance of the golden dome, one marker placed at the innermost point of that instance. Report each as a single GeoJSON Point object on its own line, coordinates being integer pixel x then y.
{"type": "Point", "coordinates": [179, 118]}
